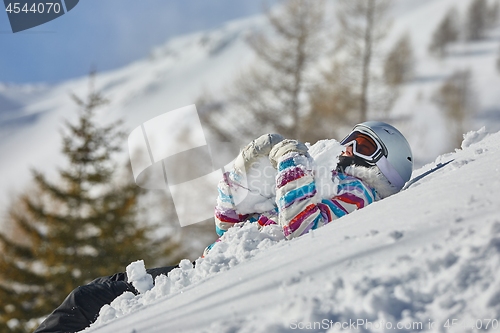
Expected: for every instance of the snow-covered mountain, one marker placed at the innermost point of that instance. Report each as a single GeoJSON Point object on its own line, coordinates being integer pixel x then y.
{"type": "Point", "coordinates": [177, 73]}
{"type": "Point", "coordinates": [173, 76]}
{"type": "Point", "coordinates": [424, 259]}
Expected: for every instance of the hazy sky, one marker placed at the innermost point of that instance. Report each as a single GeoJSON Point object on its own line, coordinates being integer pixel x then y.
{"type": "Point", "coordinates": [106, 34]}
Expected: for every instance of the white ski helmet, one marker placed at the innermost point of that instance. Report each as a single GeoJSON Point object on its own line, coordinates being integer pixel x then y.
{"type": "Point", "coordinates": [383, 145]}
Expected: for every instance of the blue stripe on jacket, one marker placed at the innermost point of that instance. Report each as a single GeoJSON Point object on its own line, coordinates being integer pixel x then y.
{"type": "Point", "coordinates": [219, 231]}
{"type": "Point", "coordinates": [355, 185]}
{"type": "Point", "coordinates": [302, 192]}
{"type": "Point", "coordinates": [289, 162]}
{"type": "Point", "coordinates": [335, 210]}
{"type": "Point", "coordinates": [225, 197]}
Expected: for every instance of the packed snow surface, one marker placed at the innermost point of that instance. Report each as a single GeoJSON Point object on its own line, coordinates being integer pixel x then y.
{"type": "Point", "coordinates": [424, 259]}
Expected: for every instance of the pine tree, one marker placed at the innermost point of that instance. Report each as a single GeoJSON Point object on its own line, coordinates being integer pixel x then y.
{"type": "Point", "coordinates": [455, 98]}
{"type": "Point", "coordinates": [398, 66]}
{"type": "Point", "coordinates": [272, 92]}
{"type": "Point", "coordinates": [446, 32]}
{"type": "Point", "coordinates": [363, 26]}
{"type": "Point", "coordinates": [477, 19]}
{"type": "Point", "coordinates": [64, 234]}
{"type": "Point", "coordinates": [333, 103]}
{"type": "Point", "coordinates": [493, 15]}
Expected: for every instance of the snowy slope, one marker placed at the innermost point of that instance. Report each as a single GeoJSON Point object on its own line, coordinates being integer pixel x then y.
{"type": "Point", "coordinates": [428, 256]}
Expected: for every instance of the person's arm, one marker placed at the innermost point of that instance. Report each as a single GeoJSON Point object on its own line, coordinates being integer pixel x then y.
{"type": "Point", "coordinates": [296, 195]}
{"type": "Point", "coordinates": [239, 197]}
{"type": "Point", "coordinates": [226, 214]}
{"type": "Point", "coordinates": [300, 205]}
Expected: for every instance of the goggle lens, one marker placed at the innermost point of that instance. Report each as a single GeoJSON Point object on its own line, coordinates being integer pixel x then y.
{"type": "Point", "coordinates": [365, 147]}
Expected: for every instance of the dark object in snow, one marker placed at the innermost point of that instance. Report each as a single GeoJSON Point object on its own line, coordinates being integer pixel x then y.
{"type": "Point", "coordinates": [416, 179]}
{"type": "Point", "coordinates": [396, 235]}
{"type": "Point", "coordinates": [81, 307]}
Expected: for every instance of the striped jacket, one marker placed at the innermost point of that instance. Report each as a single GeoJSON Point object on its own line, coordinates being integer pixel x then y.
{"type": "Point", "coordinates": [300, 206]}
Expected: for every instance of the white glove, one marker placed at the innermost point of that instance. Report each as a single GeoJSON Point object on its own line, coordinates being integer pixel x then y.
{"type": "Point", "coordinates": [284, 147]}
{"type": "Point", "coordinates": [253, 178]}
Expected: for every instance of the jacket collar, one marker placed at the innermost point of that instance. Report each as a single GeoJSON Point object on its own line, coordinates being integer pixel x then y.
{"type": "Point", "coordinates": [374, 178]}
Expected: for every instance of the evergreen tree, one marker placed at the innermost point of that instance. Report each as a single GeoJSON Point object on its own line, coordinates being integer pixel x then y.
{"type": "Point", "coordinates": [398, 66]}
{"type": "Point", "coordinates": [446, 32]}
{"type": "Point", "coordinates": [65, 234]}
{"type": "Point", "coordinates": [334, 105]}
{"type": "Point", "coordinates": [455, 97]}
{"type": "Point", "coordinates": [493, 14]}
{"type": "Point", "coordinates": [272, 93]}
{"type": "Point", "coordinates": [477, 19]}
{"type": "Point", "coordinates": [363, 26]}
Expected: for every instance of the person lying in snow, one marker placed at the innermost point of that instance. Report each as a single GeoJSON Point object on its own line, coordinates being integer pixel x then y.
{"type": "Point", "coordinates": [376, 162]}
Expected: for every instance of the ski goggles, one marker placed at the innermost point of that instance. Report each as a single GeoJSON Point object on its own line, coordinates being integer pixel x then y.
{"type": "Point", "coordinates": [365, 146]}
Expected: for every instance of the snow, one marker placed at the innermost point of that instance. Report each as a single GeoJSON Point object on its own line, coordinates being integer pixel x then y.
{"type": "Point", "coordinates": [424, 259]}
{"type": "Point", "coordinates": [325, 158]}
{"type": "Point", "coordinates": [136, 274]}
{"type": "Point", "coordinates": [473, 137]}
{"type": "Point", "coordinates": [239, 246]}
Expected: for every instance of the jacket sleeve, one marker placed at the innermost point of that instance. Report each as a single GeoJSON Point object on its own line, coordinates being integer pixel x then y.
{"type": "Point", "coordinates": [299, 202]}
{"type": "Point", "coordinates": [352, 194]}
{"type": "Point", "coordinates": [226, 214]}
{"type": "Point", "coordinates": [236, 190]}
{"type": "Point", "coordinates": [296, 195]}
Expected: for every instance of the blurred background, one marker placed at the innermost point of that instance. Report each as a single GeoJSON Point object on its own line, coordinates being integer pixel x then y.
{"type": "Point", "coordinates": [107, 35]}
{"type": "Point", "coordinates": [71, 91]}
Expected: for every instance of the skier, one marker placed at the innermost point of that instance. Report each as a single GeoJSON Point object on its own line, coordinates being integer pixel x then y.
{"type": "Point", "coordinates": [377, 161]}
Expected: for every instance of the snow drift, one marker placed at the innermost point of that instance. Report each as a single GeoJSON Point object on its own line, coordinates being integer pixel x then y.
{"type": "Point", "coordinates": [424, 259]}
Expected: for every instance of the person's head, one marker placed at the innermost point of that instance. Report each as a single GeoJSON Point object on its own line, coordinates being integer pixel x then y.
{"type": "Point", "coordinates": [375, 143]}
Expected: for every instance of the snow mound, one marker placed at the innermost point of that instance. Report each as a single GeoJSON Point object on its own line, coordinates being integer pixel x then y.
{"type": "Point", "coordinates": [474, 137]}
{"type": "Point", "coordinates": [424, 290]}
{"type": "Point", "coordinates": [325, 154]}
{"type": "Point", "coordinates": [136, 274]}
{"type": "Point", "coordinates": [239, 244]}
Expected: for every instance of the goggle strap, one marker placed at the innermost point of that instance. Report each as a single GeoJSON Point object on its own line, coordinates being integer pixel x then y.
{"type": "Point", "coordinates": [390, 173]}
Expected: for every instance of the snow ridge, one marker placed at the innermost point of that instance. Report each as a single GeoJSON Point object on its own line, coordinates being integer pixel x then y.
{"type": "Point", "coordinates": [239, 244]}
